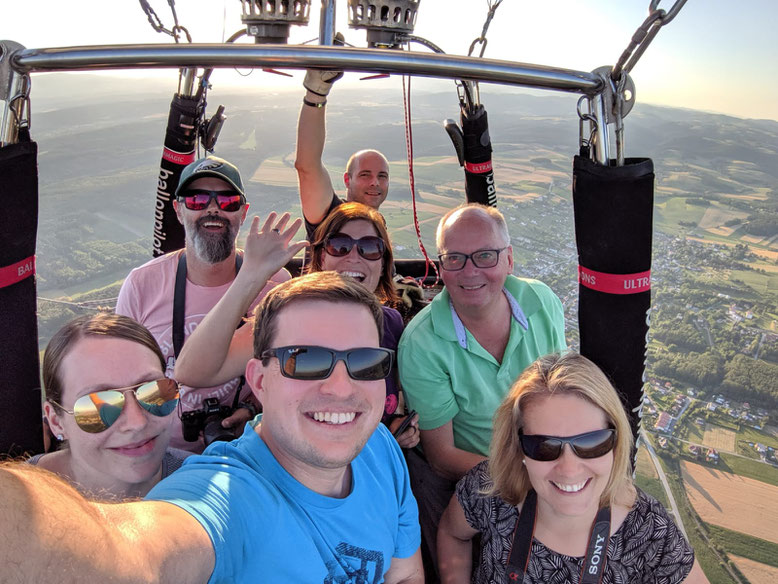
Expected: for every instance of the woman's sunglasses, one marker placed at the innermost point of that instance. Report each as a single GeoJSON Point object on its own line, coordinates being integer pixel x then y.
{"type": "Point", "coordinates": [97, 411]}
{"type": "Point", "coordinates": [310, 362]}
{"type": "Point", "coordinates": [369, 247]}
{"type": "Point", "coordinates": [200, 199]}
{"type": "Point", "coordinates": [587, 445]}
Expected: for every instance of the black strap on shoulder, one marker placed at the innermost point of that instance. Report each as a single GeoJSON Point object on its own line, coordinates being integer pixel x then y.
{"type": "Point", "coordinates": [518, 560]}
{"type": "Point", "coordinates": [179, 300]}
{"type": "Point", "coordinates": [597, 550]}
{"type": "Point", "coordinates": [521, 546]}
{"type": "Point", "coordinates": [179, 303]}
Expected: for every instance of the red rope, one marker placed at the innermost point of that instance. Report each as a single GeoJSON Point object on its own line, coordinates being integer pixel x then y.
{"type": "Point", "coordinates": [412, 181]}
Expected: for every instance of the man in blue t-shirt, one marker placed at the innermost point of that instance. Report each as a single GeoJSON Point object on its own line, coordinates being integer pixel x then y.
{"type": "Point", "coordinates": [312, 492]}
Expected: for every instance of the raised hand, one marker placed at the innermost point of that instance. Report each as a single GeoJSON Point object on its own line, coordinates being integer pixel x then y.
{"type": "Point", "coordinates": [269, 248]}
{"type": "Point", "coordinates": [320, 82]}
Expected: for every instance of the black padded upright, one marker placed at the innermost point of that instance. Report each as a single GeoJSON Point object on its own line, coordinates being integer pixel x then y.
{"type": "Point", "coordinates": [20, 394]}
{"type": "Point", "coordinates": [613, 231]}
{"type": "Point", "coordinates": [479, 175]}
{"type": "Point", "coordinates": [180, 138]}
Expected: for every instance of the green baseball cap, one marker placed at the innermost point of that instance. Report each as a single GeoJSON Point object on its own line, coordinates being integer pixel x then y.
{"type": "Point", "coordinates": [211, 166]}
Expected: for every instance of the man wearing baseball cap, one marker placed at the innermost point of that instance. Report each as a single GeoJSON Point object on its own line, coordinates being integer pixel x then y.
{"type": "Point", "coordinates": [211, 205]}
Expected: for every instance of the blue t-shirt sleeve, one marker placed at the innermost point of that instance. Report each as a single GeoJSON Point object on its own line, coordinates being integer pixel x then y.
{"type": "Point", "coordinates": [408, 532]}
{"type": "Point", "coordinates": [216, 499]}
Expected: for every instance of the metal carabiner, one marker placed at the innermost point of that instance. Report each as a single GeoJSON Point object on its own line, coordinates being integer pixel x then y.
{"type": "Point", "coordinates": [585, 144]}
{"type": "Point", "coordinates": [22, 113]}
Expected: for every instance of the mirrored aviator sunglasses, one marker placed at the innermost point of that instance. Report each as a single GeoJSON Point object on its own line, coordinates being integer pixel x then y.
{"type": "Point", "coordinates": [200, 199]}
{"type": "Point", "coordinates": [97, 411]}
{"type": "Point", "coordinates": [587, 445]}
{"type": "Point", "coordinates": [369, 247]}
{"type": "Point", "coordinates": [310, 363]}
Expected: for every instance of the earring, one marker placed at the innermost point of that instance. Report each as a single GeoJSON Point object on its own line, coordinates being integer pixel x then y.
{"type": "Point", "coordinates": [60, 437]}
{"type": "Point", "coordinates": [524, 461]}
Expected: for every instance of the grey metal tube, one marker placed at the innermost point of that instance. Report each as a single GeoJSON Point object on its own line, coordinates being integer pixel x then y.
{"type": "Point", "coordinates": [186, 84]}
{"type": "Point", "coordinates": [303, 57]}
{"type": "Point", "coordinates": [602, 150]}
{"type": "Point", "coordinates": [12, 110]}
{"type": "Point", "coordinates": [327, 22]}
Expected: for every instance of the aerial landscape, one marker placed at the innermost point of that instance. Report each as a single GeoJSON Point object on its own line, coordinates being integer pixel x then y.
{"type": "Point", "coordinates": [711, 408]}
{"type": "Point", "coordinates": [708, 447]}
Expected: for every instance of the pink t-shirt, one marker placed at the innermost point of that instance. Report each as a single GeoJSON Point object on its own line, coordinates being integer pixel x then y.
{"type": "Point", "coordinates": [147, 296]}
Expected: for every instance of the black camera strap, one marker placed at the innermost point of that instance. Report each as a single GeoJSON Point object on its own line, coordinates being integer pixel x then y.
{"type": "Point", "coordinates": [521, 546]}
{"type": "Point", "coordinates": [179, 305]}
{"type": "Point", "coordinates": [179, 300]}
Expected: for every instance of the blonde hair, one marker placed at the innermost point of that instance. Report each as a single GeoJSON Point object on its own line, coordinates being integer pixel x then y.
{"type": "Point", "coordinates": [555, 374]}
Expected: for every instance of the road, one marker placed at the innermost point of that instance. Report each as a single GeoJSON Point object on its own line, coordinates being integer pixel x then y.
{"type": "Point", "coordinates": [662, 477]}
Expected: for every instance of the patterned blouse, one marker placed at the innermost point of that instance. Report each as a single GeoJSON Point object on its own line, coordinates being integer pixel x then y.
{"type": "Point", "coordinates": [648, 546]}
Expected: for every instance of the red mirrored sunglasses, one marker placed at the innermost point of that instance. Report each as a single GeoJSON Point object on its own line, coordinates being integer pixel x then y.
{"type": "Point", "coordinates": [200, 199]}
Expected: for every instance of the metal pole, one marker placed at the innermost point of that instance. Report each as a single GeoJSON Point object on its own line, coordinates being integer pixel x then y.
{"type": "Point", "coordinates": [12, 110]}
{"type": "Point", "coordinates": [304, 57]}
{"type": "Point", "coordinates": [602, 151]}
{"type": "Point", "coordinates": [186, 83]}
{"type": "Point", "coordinates": [13, 86]}
{"type": "Point", "coordinates": [327, 22]}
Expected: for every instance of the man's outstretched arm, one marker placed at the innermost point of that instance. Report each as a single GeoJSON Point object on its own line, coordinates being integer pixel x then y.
{"type": "Point", "coordinates": [313, 179]}
{"type": "Point", "coordinates": [51, 533]}
{"type": "Point", "coordinates": [406, 570]}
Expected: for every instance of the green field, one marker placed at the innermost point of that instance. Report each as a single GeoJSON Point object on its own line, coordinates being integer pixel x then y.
{"type": "Point", "coordinates": [653, 487]}
{"type": "Point", "coordinates": [744, 545]}
{"type": "Point", "coordinates": [750, 435]}
{"type": "Point", "coordinates": [673, 210]}
{"type": "Point", "coordinates": [765, 284]}
{"type": "Point", "coordinates": [754, 469]}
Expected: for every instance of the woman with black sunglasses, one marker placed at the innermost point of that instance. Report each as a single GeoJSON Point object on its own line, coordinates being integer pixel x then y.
{"type": "Point", "coordinates": [353, 241]}
{"type": "Point", "coordinates": [109, 403]}
{"type": "Point", "coordinates": [555, 500]}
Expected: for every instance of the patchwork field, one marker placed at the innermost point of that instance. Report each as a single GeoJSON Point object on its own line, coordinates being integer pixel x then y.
{"type": "Point", "coordinates": [755, 572]}
{"type": "Point", "coordinates": [274, 171]}
{"type": "Point", "coordinates": [737, 503]}
{"type": "Point", "coordinates": [716, 217]}
{"type": "Point", "coordinates": [719, 438]}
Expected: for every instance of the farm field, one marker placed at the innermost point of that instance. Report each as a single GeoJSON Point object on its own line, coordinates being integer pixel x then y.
{"type": "Point", "coordinates": [719, 438]}
{"type": "Point", "coordinates": [735, 502]}
{"type": "Point", "coordinates": [647, 478]}
{"type": "Point", "coordinates": [755, 572]}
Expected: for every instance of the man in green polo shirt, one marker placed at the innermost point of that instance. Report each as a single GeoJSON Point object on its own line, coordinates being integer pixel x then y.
{"type": "Point", "coordinates": [459, 356]}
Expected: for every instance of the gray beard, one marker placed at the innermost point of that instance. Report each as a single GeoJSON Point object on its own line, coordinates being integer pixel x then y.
{"type": "Point", "coordinates": [211, 248]}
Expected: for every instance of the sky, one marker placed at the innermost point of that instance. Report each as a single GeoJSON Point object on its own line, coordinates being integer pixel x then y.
{"type": "Point", "coordinates": [715, 56]}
